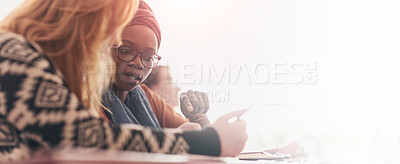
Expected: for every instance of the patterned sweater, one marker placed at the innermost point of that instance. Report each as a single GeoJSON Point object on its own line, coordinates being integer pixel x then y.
{"type": "Point", "coordinates": [38, 112]}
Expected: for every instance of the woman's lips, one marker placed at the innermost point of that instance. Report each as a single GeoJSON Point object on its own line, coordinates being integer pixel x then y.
{"type": "Point", "coordinates": [133, 78]}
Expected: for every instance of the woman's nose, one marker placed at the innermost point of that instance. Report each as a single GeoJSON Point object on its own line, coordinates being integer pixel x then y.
{"type": "Point", "coordinates": [136, 62]}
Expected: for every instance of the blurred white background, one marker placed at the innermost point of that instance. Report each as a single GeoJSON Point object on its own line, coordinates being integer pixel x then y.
{"type": "Point", "coordinates": [333, 63]}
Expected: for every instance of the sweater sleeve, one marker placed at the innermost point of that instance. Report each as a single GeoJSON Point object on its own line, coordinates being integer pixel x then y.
{"type": "Point", "coordinates": [166, 115]}
{"type": "Point", "coordinates": [37, 111]}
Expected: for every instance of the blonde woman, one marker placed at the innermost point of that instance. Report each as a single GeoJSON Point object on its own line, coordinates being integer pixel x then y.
{"type": "Point", "coordinates": [52, 75]}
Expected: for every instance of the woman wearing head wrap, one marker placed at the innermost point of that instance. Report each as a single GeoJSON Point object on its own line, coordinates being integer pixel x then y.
{"type": "Point", "coordinates": [47, 100]}
{"type": "Point", "coordinates": [130, 103]}
{"type": "Point", "coordinates": [135, 59]}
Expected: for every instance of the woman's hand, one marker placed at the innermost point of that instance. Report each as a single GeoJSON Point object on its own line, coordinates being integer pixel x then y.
{"type": "Point", "coordinates": [195, 105]}
{"type": "Point", "coordinates": [232, 136]}
{"type": "Point", "coordinates": [189, 126]}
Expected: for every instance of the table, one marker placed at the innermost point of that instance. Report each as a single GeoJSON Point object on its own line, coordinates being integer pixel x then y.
{"type": "Point", "coordinates": [95, 156]}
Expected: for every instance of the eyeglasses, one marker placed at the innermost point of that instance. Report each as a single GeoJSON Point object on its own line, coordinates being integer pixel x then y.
{"type": "Point", "coordinates": [148, 59]}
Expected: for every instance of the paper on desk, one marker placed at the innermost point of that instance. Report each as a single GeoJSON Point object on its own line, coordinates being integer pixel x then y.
{"type": "Point", "coordinates": [262, 156]}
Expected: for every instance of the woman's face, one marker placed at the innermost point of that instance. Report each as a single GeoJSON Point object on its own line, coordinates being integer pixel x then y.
{"type": "Point", "coordinates": [131, 74]}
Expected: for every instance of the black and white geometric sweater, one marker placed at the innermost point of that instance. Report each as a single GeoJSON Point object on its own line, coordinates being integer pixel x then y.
{"type": "Point", "coordinates": [37, 111]}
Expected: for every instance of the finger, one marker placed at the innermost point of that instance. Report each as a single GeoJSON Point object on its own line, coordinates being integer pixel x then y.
{"type": "Point", "coordinates": [241, 124]}
{"type": "Point", "coordinates": [200, 100]}
{"type": "Point", "coordinates": [193, 100]}
{"type": "Point", "coordinates": [233, 114]}
{"type": "Point", "coordinates": [185, 103]}
{"type": "Point", "coordinates": [206, 102]}
{"type": "Point", "coordinates": [199, 116]}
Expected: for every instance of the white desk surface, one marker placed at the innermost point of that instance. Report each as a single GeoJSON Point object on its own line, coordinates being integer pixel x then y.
{"type": "Point", "coordinates": [92, 156]}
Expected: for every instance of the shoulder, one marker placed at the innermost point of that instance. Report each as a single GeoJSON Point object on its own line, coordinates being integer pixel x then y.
{"type": "Point", "coordinates": [144, 87]}
{"type": "Point", "coordinates": [20, 58]}
{"type": "Point", "coordinates": [147, 90]}
{"type": "Point", "coordinates": [18, 54]}
{"type": "Point", "coordinates": [156, 101]}
{"type": "Point", "coordinates": [15, 47]}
